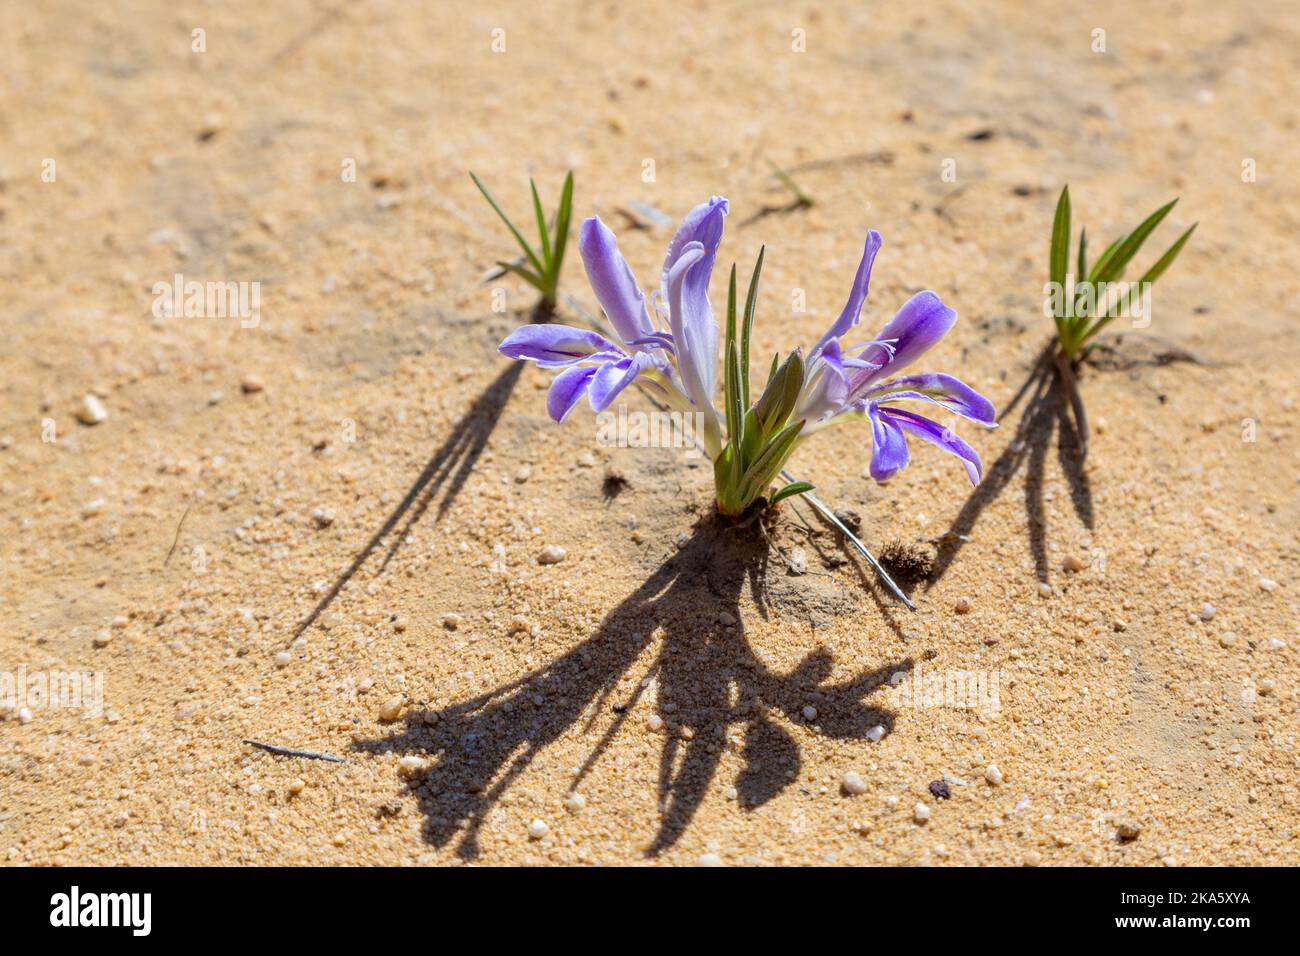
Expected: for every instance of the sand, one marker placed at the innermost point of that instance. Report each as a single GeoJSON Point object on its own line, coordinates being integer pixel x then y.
{"type": "Point", "coordinates": [363, 460]}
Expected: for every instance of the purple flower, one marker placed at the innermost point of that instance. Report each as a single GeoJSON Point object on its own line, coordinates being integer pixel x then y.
{"type": "Point", "coordinates": [839, 386]}
{"type": "Point", "coordinates": [677, 354]}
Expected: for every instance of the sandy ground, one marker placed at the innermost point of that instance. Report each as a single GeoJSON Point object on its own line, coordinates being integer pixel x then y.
{"type": "Point", "coordinates": [366, 438]}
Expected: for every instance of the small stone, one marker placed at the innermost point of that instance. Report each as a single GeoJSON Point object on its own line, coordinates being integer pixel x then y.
{"type": "Point", "coordinates": [297, 785]}
{"type": "Point", "coordinates": [1267, 584]}
{"type": "Point", "coordinates": [575, 802]}
{"type": "Point", "coordinates": [452, 621]}
{"type": "Point", "coordinates": [523, 474]}
{"type": "Point", "coordinates": [963, 605]}
{"type": "Point", "coordinates": [103, 639]}
{"type": "Point", "coordinates": [551, 554]}
{"type": "Point", "coordinates": [1276, 643]}
{"type": "Point", "coordinates": [92, 410]}
{"type": "Point", "coordinates": [1033, 858]}
{"type": "Point", "coordinates": [410, 765]}
{"type": "Point", "coordinates": [921, 813]}
{"type": "Point", "coordinates": [876, 734]}
{"type": "Point", "coordinates": [92, 508]}
{"type": "Point", "coordinates": [322, 516]}
{"type": "Point", "coordinates": [251, 384]}
{"type": "Point", "coordinates": [727, 619]}
{"type": "Point", "coordinates": [655, 722]}
{"type": "Point", "coordinates": [686, 733]}
{"type": "Point", "coordinates": [1207, 612]}
{"type": "Point", "coordinates": [809, 712]}
{"type": "Point", "coordinates": [993, 775]}
{"type": "Point", "coordinates": [1267, 686]}
{"type": "Point", "coordinates": [538, 829]}
{"type": "Point", "coordinates": [283, 659]}
{"type": "Point", "coordinates": [852, 783]}
{"type": "Point", "coordinates": [24, 715]}
{"type": "Point", "coordinates": [119, 622]}
{"type": "Point", "coordinates": [1127, 829]}
{"type": "Point", "coordinates": [940, 789]}
{"type": "Point", "coordinates": [710, 859]}
{"type": "Point", "coordinates": [1227, 639]}
{"type": "Point", "coordinates": [391, 709]}
{"type": "Point", "coordinates": [799, 561]}
{"type": "Point", "coordinates": [1044, 589]}
{"type": "Point", "coordinates": [1074, 563]}
{"type": "Point", "coordinates": [1120, 625]}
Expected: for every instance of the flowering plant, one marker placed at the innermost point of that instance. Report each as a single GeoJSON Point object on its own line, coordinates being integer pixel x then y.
{"type": "Point", "coordinates": [674, 356]}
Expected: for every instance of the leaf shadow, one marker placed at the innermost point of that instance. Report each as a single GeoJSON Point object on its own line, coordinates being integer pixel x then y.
{"type": "Point", "coordinates": [1043, 416]}
{"type": "Point", "coordinates": [707, 678]}
{"type": "Point", "coordinates": [446, 472]}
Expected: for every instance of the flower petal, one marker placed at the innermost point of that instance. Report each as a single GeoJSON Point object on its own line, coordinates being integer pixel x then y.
{"type": "Point", "coordinates": [936, 434]}
{"type": "Point", "coordinates": [566, 391]}
{"type": "Point", "coordinates": [612, 280]}
{"type": "Point", "coordinates": [920, 323]}
{"type": "Point", "coordinates": [557, 346]}
{"type": "Point", "coordinates": [889, 453]}
{"type": "Point", "coordinates": [687, 270]}
{"type": "Point", "coordinates": [943, 390]}
{"type": "Point", "coordinates": [857, 295]}
{"type": "Point", "coordinates": [612, 377]}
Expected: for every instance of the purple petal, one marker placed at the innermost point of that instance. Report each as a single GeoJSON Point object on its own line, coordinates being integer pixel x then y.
{"type": "Point", "coordinates": [612, 281]}
{"type": "Point", "coordinates": [612, 377]}
{"type": "Point", "coordinates": [944, 390]}
{"type": "Point", "coordinates": [857, 295]}
{"type": "Point", "coordinates": [567, 389]}
{"type": "Point", "coordinates": [557, 346]}
{"type": "Point", "coordinates": [687, 270]}
{"type": "Point", "coordinates": [920, 323]}
{"type": "Point", "coordinates": [936, 434]}
{"type": "Point", "coordinates": [889, 453]}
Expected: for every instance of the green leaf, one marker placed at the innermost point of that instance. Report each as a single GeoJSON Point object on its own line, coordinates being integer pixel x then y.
{"type": "Point", "coordinates": [769, 463]}
{"type": "Point", "coordinates": [524, 274]}
{"type": "Point", "coordinates": [528, 250]}
{"type": "Point", "coordinates": [1151, 275]}
{"type": "Point", "coordinates": [751, 303]}
{"type": "Point", "coordinates": [1060, 252]}
{"type": "Point", "coordinates": [1130, 245]}
{"type": "Point", "coordinates": [563, 219]}
{"type": "Point", "coordinates": [780, 395]}
{"type": "Point", "coordinates": [730, 383]}
{"type": "Point", "coordinates": [542, 226]}
{"type": "Point", "coordinates": [794, 488]}
{"type": "Point", "coordinates": [1083, 256]}
{"type": "Point", "coordinates": [1105, 258]}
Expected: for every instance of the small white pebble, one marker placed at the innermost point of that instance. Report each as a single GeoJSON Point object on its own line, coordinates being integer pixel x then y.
{"type": "Point", "coordinates": [551, 554]}
{"type": "Point", "coordinates": [103, 639]}
{"type": "Point", "coordinates": [322, 516]}
{"type": "Point", "coordinates": [297, 785]}
{"type": "Point", "coordinates": [993, 775]}
{"type": "Point", "coordinates": [1207, 612]}
{"type": "Point", "coordinates": [391, 709]}
{"type": "Point", "coordinates": [655, 722]}
{"type": "Point", "coordinates": [876, 734]}
{"type": "Point", "coordinates": [24, 715]}
{"type": "Point", "coordinates": [920, 813]}
{"type": "Point", "coordinates": [852, 783]}
{"type": "Point", "coordinates": [575, 802]}
{"type": "Point", "coordinates": [809, 712]}
{"type": "Point", "coordinates": [1276, 643]}
{"type": "Point", "coordinates": [410, 765]}
{"type": "Point", "coordinates": [710, 859]}
{"type": "Point", "coordinates": [451, 621]}
{"type": "Point", "coordinates": [799, 561]}
{"type": "Point", "coordinates": [1267, 584]}
{"type": "Point", "coordinates": [963, 605]}
{"type": "Point", "coordinates": [1074, 563]}
{"type": "Point", "coordinates": [283, 659]}
{"type": "Point", "coordinates": [523, 474]}
{"type": "Point", "coordinates": [1227, 639]}
{"type": "Point", "coordinates": [538, 829]}
{"type": "Point", "coordinates": [92, 410]}
{"type": "Point", "coordinates": [1044, 589]}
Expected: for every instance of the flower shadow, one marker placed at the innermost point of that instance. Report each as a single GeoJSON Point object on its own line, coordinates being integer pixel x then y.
{"type": "Point", "coordinates": [709, 686]}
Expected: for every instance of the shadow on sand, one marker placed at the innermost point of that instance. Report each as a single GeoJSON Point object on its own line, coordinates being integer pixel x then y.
{"type": "Point", "coordinates": [705, 670]}
{"type": "Point", "coordinates": [1045, 414]}
{"type": "Point", "coordinates": [445, 472]}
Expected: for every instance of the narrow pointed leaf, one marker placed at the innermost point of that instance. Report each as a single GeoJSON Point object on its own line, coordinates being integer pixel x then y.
{"type": "Point", "coordinates": [794, 488]}
{"type": "Point", "coordinates": [523, 244]}
{"type": "Point", "coordinates": [542, 226]}
{"type": "Point", "coordinates": [751, 303]}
